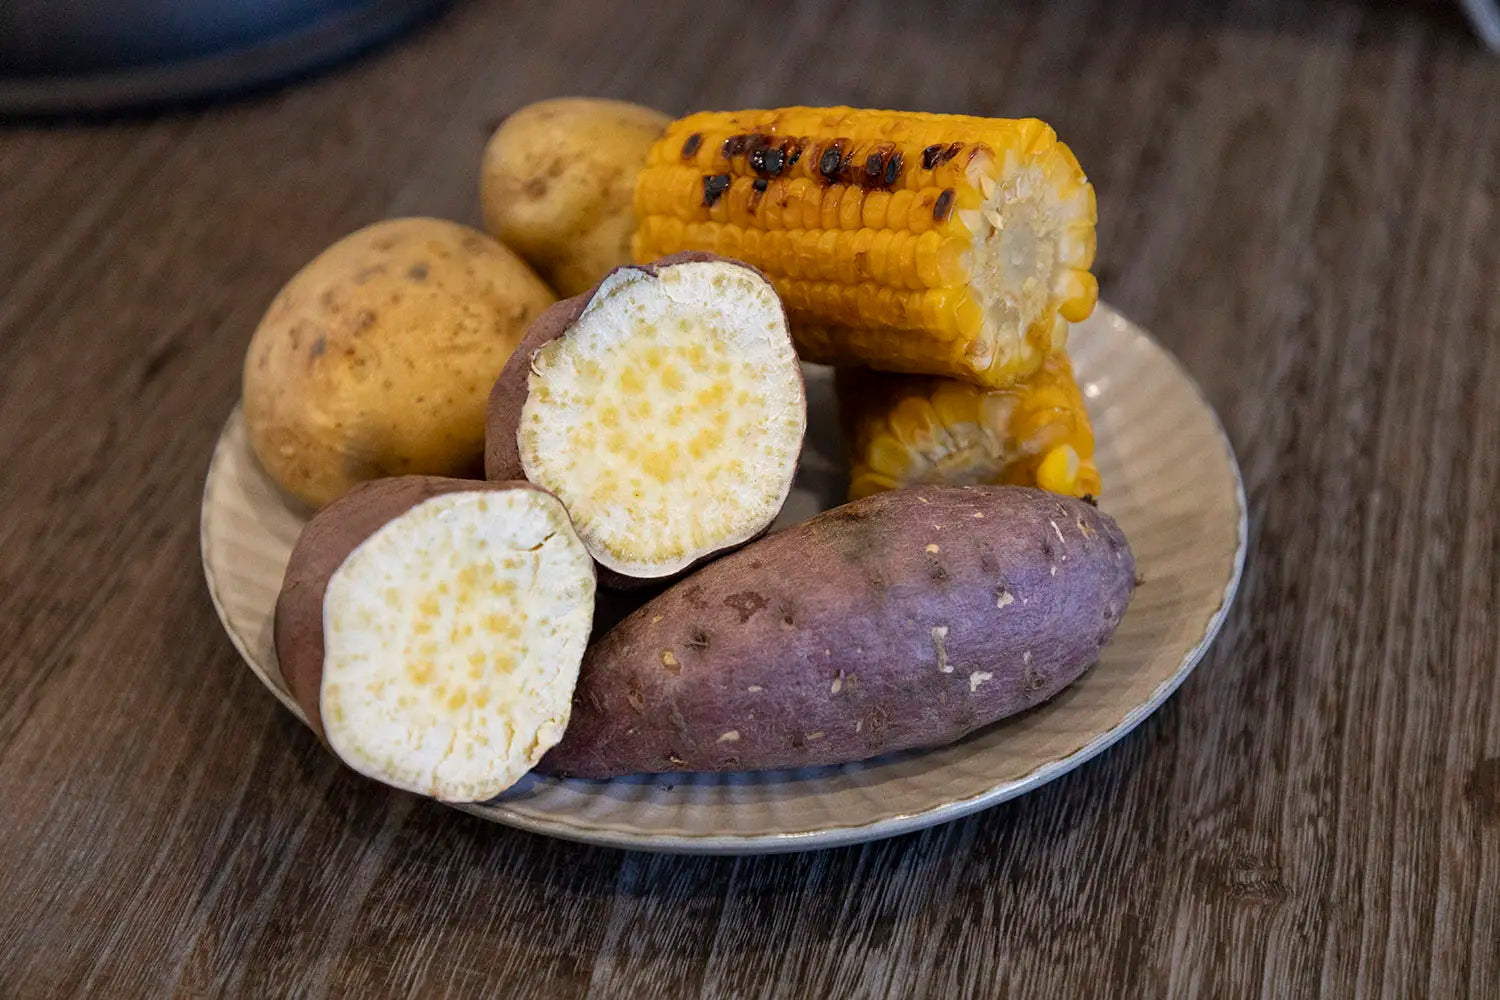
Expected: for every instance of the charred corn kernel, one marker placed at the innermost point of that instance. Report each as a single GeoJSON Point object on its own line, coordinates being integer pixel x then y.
{"type": "Point", "coordinates": [933, 244]}
{"type": "Point", "coordinates": [904, 430]}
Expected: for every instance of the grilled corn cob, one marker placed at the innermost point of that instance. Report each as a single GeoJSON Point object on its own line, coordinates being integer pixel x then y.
{"type": "Point", "coordinates": [902, 430]}
{"type": "Point", "coordinates": [938, 244]}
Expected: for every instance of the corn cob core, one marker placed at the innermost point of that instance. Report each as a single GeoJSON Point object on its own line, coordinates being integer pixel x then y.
{"type": "Point", "coordinates": [910, 242]}
{"type": "Point", "coordinates": [904, 430]}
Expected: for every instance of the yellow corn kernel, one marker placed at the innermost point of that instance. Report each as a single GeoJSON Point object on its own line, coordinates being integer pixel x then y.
{"type": "Point", "coordinates": [905, 430]}
{"type": "Point", "coordinates": [920, 243]}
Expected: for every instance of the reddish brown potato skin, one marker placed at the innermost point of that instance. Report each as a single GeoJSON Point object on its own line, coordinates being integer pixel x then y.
{"type": "Point", "coordinates": [325, 542]}
{"type": "Point", "coordinates": [832, 621]}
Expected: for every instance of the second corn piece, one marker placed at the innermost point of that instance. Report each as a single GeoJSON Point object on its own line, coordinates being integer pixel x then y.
{"type": "Point", "coordinates": [910, 242]}
{"type": "Point", "coordinates": [904, 430]}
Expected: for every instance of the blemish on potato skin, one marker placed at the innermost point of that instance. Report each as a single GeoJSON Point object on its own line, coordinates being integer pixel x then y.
{"type": "Point", "coordinates": [669, 660]}
{"type": "Point", "coordinates": [755, 689]}
{"type": "Point", "coordinates": [939, 641]}
{"type": "Point", "coordinates": [418, 271]}
{"type": "Point", "coordinates": [698, 640]}
{"type": "Point", "coordinates": [732, 736]}
{"type": "Point", "coordinates": [679, 721]}
{"type": "Point", "coordinates": [1004, 598]}
{"type": "Point", "coordinates": [745, 604]}
{"type": "Point", "coordinates": [318, 347]}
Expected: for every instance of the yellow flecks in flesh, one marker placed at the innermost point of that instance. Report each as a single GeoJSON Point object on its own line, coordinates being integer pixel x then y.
{"type": "Point", "coordinates": [671, 417]}
{"type": "Point", "coordinates": [463, 676]}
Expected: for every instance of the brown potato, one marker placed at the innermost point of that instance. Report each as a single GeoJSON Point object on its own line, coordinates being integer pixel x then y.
{"type": "Point", "coordinates": [431, 630]}
{"type": "Point", "coordinates": [557, 182]}
{"type": "Point", "coordinates": [377, 358]}
{"type": "Point", "coordinates": [906, 619]}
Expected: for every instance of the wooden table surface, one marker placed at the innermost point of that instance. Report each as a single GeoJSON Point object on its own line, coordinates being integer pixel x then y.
{"type": "Point", "coordinates": [1299, 199]}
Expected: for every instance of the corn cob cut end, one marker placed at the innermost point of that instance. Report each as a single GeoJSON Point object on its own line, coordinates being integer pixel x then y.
{"type": "Point", "coordinates": [1032, 243]}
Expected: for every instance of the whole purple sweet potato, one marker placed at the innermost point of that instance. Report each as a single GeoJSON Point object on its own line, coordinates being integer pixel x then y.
{"type": "Point", "coordinates": [906, 619]}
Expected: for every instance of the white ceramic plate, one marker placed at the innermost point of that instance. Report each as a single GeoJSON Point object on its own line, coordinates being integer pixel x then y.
{"type": "Point", "coordinates": [1170, 479]}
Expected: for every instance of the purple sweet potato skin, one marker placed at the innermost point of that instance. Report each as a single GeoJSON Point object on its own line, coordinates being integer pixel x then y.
{"type": "Point", "coordinates": [816, 645]}
{"type": "Point", "coordinates": [325, 542]}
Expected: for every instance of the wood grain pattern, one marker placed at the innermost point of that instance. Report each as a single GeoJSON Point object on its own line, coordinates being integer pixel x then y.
{"type": "Point", "coordinates": [1299, 199]}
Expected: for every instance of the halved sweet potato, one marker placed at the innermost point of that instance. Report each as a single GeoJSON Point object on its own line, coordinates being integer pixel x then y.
{"type": "Point", "coordinates": [431, 630]}
{"type": "Point", "coordinates": [665, 408]}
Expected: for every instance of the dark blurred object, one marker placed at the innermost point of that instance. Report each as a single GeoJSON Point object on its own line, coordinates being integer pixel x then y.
{"type": "Point", "coordinates": [61, 56]}
{"type": "Point", "coordinates": [1485, 16]}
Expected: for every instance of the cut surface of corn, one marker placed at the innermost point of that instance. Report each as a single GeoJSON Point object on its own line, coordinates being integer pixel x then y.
{"type": "Point", "coordinates": [906, 430]}
{"type": "Point", "coordinates": [909, 242]}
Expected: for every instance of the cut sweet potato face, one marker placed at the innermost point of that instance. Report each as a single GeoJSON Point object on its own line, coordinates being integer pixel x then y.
{"type": "Point", "coordinates": [667, 415]}
{"type": "Point", "coordinates": [451, 638]}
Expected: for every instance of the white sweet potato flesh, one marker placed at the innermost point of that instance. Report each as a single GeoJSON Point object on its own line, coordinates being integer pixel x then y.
{"type": "Point", "coordinates": [667, 414]}
{"type": "Point", "coordinates": [906, 619]}
{"type": "Point", "coordinates": [447, 640]}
